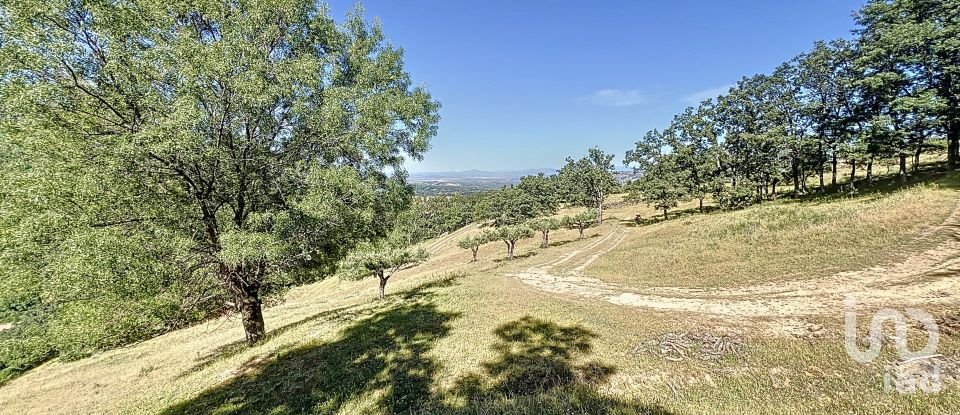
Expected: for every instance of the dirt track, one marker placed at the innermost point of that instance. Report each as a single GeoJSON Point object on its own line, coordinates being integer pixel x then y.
{"type": "Point", "coordinates": [926, 277]}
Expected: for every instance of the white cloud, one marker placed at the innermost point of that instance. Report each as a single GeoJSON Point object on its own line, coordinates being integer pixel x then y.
{"type": "Point", "coordinates": [700, 96]}
{"type": "Point", "coordinates": [615, 98]}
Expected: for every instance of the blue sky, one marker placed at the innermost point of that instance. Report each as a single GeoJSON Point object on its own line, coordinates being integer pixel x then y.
{"type": "Point", "coordinates": [526, 83]}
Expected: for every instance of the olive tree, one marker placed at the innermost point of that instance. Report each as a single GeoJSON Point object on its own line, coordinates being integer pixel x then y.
{"type": "Point", "coordinates": [474, 242]}
{"type": "Point", "coordinates": [511, 234]}
{"type": "Point", "coordinates": [580, 221]}
{"type": "Point", "coordinates": [544, 226]}
{"type": "Point", "coordinates": [380, 260]}
{"type": "Point", "coordinates": [261, 137]}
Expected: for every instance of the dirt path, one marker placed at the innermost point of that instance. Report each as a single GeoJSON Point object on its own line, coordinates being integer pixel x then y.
{"type": "Point", "coordinates": [927, 277]}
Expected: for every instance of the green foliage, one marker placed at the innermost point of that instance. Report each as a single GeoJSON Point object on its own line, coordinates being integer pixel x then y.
{"type": "Point", "coordinates": [581, 221]}
{"type": "Point", "coordinates": [430, 217]}
{"type": "Point", "coordinates": [512, 206]}
{"type": "Point", "coordinates": [474, 242]}
{"type": "Point", "coordinates": [545, 190]}
{"type": "Point", "coordinates": [664, 183]}
{"type": "Point", "coordinates": [155, 153]}
{"type": "Point", "coordinates": [589, 180]}
{"type": "Point", "coordinates": [510, 234]}
{"type": "Point", "coordinates": [544, 226]}
{"type": "Point", "coordinates": [379, 259]}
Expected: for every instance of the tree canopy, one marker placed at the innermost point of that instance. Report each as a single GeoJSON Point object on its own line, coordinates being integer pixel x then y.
{"type": "Point", "coordinates": [164, 159]}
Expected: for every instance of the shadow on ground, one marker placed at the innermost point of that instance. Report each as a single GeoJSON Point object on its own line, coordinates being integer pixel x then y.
{"type": "Point", "coordinates": [535, 372]}
{"type": "Point", "coordinates": [385, 352]}
{"type": "Point", "coordinates": [384, 361]}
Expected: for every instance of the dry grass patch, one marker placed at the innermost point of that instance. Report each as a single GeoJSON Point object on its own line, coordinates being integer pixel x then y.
{"type": "Point", "coordinates": [777, 241]}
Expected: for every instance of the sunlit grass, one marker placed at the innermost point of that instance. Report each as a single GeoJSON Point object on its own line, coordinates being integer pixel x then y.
{"type": "Point", "coordinates": [782, 240]}
{"type": "Point", "coordinates": [438, 343]}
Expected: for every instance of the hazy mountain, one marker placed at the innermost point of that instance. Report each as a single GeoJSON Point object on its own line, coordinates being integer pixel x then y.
{"type": "Point", "coordinates": [507, 176]}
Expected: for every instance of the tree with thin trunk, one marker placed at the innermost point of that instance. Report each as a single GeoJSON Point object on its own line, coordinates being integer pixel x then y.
{"type": "Point", "coordinates": [544, 226]}
{"type": "Point", "coordinates": [580, 221]}
{"type": "Point", "coordinates": [474, 242]}
{"type": "Point", "coordinates": [511, 234]}
{"type": "Point", "coordinates": [262, 140]}
{"type": "Point", "coordinates": [381, 260]}
{"type": "Point", "coordinates": [588, 181]}
{"type": "Point", "coordinates": [663, 183]}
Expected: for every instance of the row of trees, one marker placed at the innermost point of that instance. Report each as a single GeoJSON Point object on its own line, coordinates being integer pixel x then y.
{"type": "Point", "coordinates": [511, 234]}
{"type": "Point", "coordinates": [893, 92]}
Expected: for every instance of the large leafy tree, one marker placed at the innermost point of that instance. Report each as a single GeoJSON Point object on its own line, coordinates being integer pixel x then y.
{"type": "Point", "coordinates": [545, 190]}
{"type": "Point", "coordinates": [912, 44]}
{"type": "Point", "coordinates": [589, 180]}
{"type": "Point", "coordinates": [663, 183]}
{"type": "Point", "coordinates": [512, 206]}
{"type": "Point", "coordinates": [696, 146]}
{"type": "Point", "coordinates": [227, 143]}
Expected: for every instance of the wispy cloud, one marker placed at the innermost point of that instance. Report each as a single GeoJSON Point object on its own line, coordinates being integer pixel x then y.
{"type": "Point", "coordinates": [700, 96]}
{"type": "Point", "coordinates": [615, 98]}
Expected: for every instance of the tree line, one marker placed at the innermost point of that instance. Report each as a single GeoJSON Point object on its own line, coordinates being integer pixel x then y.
{"type": "Point", "coordinates": [890, 93]}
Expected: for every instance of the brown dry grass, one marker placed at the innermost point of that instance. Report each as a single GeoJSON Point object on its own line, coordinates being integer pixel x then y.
{"type": "Point", "coordinates": [332, 348]}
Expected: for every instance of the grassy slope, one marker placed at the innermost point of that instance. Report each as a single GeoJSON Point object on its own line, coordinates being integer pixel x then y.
{"type": "Point", "coordinates": [473, 340]}
{"type": "Point", "coordinates": [785, 240]}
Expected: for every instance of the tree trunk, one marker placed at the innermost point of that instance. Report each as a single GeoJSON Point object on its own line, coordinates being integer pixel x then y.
{"type": "Point", "coordinates": [600, 210]}
{"type": "Point", "coordinates": [383, 285]}
{"type": "Point", "coordinates": [243, 282]}
{"type": "Point", "coordinates": [665, 217]}
{"type": "Point", "coordinates": [916, 156]}
{"type": "Point", "coordinates": [510, 246]}
{"type": "Point", "coordinates": [953, 124]}
{"type": "Point", "coordinates": [870, 169]}
{"type": "Point", "coordinates": [853, 173]}
{"type": "Point", "coordinates": [773, 193]}
{"type": "Point", "coordinates": [546, 239]}
{"type": "Point", "coordinates": [701, 205]}
{"type": "Point", "coordinates": [252, 317]}
{"type": "Point", "coordinates": [795, 167]}
{"type": "Point", "coordinates": [833, 174]}
{"type": "Point", "coordinates": [953, 143]}
{"type": "Point", "coordinates": [475, 249]}
{"type": "Point", "coordinates": [581, 233]}
{"type": "Point", "coordinates": [903, 164]}
{"type": "Point", "coordinates": [822, 157]}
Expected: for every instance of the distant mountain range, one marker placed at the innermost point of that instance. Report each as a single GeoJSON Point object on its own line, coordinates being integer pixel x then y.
{"type": "Point", "coordinates": [469, 181]}
{"type": "Point", "coordinates": [504, 176]}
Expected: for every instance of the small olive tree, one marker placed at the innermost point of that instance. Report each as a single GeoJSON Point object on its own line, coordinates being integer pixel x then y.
{"type": "Point", "coordinates": [581, 221]}
{"type": "Point", "coordinates": [511, 234]}
{"type": "Point", "coordinates": [474, 242]}
{"type": "Point", "coordinates": [544, 226]}
{"type": "Point", "coordinates": [381, 260]}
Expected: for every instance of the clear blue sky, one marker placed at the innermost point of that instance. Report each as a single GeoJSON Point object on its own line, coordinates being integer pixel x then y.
{"type": "Point", "coordinates": [526, 83]}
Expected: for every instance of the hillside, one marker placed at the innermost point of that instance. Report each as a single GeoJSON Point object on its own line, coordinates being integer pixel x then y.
{"type": "Point", "coordinates": [726, 311]}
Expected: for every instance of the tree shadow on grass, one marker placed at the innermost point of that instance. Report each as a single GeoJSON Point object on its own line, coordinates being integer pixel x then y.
{"type": "Point", "coordinates": [536, 372]}
{"type": "Point", "coordinates": [384, 355]}
{"type": "Point", "coordinates": [516, 257]}
{"type": "Point", "coordinates": [351, 312]}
